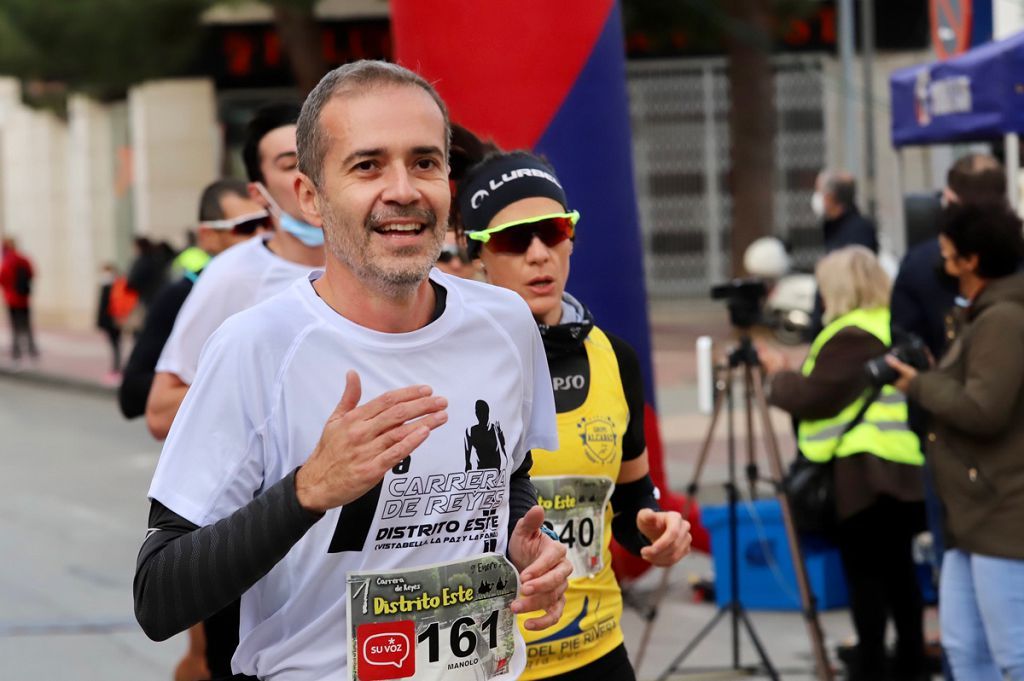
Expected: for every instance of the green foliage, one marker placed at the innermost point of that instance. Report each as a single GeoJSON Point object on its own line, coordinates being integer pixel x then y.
{"type": "Point", "coordinates": [100, 47]}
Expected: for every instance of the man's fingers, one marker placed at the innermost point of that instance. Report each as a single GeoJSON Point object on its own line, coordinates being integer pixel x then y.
{"type": "Point", "coordinates": [552, 613]}
{"type": "Point", "coordinates": [415, 436]}
{"type": "Point", "coordinates": [404, 412]}
{"type": "Point", "coordinates": [550, 557]}
{"type": "Point", "coordinates": [530, 522]}
{"type": "Point", "coordinates": [385, 401]}
{"type": "Point", "coordinates": [390, 438]}
{"type": "Point", "coordinates": [350, 397]}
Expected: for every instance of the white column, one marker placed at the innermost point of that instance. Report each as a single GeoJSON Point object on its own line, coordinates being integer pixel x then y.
{"type": "Point", "coordinates": [90, 175]}
{"type": "Point", "coordinates": [35, 207]}
{"type": "Point", "coordinates": [174, 151]}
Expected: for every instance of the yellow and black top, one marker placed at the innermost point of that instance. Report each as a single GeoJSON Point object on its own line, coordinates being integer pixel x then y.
{"type": "Point", "coordinates": [599, 399]}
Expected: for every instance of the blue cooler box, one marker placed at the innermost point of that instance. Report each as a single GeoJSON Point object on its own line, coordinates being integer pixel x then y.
{"type": "Point", "coordinates": [766, 575]}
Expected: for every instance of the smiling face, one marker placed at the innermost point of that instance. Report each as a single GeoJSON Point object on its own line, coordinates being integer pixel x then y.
{"type": "Point", "coordinates": [384, 197]}
{"type": "Point", "coordinates": [539, 274]}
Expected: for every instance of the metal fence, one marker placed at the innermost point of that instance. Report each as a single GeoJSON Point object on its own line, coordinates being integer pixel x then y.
{"type": "Point", "coordinates": [679, 112]}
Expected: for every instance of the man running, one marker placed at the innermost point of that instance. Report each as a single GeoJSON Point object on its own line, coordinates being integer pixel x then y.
{"type": "Point", "coordinates": [272, 489]}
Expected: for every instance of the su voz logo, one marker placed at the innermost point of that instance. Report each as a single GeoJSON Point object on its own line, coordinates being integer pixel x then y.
{"type": "Point", "coordinates": [387, 650]}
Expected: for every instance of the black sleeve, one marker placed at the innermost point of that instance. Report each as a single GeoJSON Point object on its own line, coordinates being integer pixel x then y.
{"type": "Point", "coordinates": [633, 442]}
{"type": "Point", "coordinates": [186, 573]}
{"type": "Point", "coordinates": [141, 366]}
{"type": "Point", "coordinates": [627, 500]}
{"type": "Point", "coordinates": [522, 495]}
{"type": "Point", "coordinates": [906, 309]}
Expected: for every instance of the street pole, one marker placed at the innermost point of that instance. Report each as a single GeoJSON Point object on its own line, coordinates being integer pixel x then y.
{"type": "Point", "coordinates": [867, 56]}
{"type": "Point", "coordinates": [851, 153]}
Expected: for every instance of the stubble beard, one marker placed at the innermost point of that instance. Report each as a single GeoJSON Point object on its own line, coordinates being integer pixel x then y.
{"type": "Point", "coordinates": [352, 246]}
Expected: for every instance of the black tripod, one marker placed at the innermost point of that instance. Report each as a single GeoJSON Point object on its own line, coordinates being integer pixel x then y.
{"type": "Point", "coordinates": [745, 356]}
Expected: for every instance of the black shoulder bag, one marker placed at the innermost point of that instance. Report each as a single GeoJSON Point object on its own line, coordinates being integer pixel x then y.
{"type": "Point", "coordinates": [811, 487]}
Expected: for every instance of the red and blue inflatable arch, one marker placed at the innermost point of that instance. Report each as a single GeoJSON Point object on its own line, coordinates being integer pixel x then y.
{"type": "Point", "coordinates": [551, 77]}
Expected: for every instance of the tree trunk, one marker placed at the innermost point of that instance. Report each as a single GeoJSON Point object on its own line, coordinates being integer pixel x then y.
{"type": "Point", "coordinates": [300, 36]}
{"type": "Point", "coordinates": [751, 125]}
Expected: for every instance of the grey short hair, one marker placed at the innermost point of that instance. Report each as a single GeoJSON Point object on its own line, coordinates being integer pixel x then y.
{"type": "Point", "coordinates": [354, 78]}
{"type": "Point", "coordinates": [842, 186]}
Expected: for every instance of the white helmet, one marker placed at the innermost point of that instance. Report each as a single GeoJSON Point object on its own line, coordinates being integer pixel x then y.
{"type": "Point", "coordinates": [766, 258]}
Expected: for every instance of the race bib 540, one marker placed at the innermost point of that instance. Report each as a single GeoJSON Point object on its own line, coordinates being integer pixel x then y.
{"type": "Point", "coordinates": [574, 508]}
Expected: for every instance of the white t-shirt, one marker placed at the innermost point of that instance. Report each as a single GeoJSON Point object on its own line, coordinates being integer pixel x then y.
{"type": "Point", "coordinates": [269, 378]}
{"type": "Point", "coordinates": [235, 280]}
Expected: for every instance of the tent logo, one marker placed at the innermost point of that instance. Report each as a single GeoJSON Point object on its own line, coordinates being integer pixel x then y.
{"type": "Point", "coordinates": [941, 97]}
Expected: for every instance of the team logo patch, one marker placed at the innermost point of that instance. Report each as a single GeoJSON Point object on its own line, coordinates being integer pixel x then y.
{"type": "Point", "coordinates": [386, 650]}
{"type": "Point", "coordinates": [599, 438]}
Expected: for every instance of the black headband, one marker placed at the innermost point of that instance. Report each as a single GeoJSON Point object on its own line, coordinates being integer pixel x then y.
{"type": "Point", "coordinates": [496, 183]}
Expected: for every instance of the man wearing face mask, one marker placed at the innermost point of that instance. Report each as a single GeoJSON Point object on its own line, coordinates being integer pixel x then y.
{"type": "Point", "coordinates": [834, 204]}
{"type": "Point", "coordinates": [246, 274]}
{"type": "Point", "coordinates": [923, 295]}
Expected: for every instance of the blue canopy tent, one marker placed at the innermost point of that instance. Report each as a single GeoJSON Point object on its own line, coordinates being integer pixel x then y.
{"type": "Point", "coordinates": [976, 96]}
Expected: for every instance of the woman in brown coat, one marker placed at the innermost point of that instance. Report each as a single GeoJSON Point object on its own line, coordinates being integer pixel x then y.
{"type": "Point", "coordinates": [975, 397]}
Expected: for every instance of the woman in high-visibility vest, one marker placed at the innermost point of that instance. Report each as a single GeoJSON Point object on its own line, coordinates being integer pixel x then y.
{"type": "Point", "coordinates": [876, 465]}
{"type": "Point", "coordinates": [975, 399]}
{"type": "Point", "coordinates": [518, 223]}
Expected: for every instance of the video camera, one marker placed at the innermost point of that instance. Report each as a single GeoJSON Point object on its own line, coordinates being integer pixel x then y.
{"type": "Point", "coordinates": [745, 300]}
{"type": "Point", "coordinates": [912, 351]}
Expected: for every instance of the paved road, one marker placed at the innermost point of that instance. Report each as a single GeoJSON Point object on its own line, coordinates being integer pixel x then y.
{"type": "Point", "coordinates": [73, 480]}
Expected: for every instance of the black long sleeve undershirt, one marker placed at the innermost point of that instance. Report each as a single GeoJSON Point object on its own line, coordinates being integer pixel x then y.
{"type": "Point", "coordinates": [186, 573]}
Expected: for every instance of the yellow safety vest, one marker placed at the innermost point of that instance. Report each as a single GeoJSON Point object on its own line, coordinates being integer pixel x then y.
{"type": "Point", "coordinates": [192, 259]}
{"type": "Point", "coordinates": [590, 439]}
{"type": "Point", "coordinates": [883, 431]}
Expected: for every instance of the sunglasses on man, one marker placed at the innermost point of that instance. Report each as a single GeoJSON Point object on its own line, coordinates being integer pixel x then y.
{"type": "Point", "coordinates": [449, 252]}
{"type": "Point", "coordinates": [516, 236]}
{"type": "Point", "coordinates": [243, 225]}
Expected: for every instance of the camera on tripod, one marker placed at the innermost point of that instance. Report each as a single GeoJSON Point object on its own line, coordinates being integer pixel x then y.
{"type": "Point", "coordinates": [912, 351]}
{"type": "Point", "coordinates": [745, 300]}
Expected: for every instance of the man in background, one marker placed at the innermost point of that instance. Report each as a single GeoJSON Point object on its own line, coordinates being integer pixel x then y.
{"type": "Point", "coordinates": [246, 275]}
{"type": "Point", "coordinates": [227, 216]}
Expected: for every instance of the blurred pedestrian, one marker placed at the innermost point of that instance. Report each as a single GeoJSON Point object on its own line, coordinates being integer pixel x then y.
{"type": "Point", "coordinates": [106, 322]}
{"type": "Point", "coordinates": [16, 275]}
{"type": "Point", "coordinates": [227, 216]}
{"type": "Point", "coordinates": [975, 398]}
{"type": "Point", "coordinates": [453, 259]}
{"type": "Point", "coordinates": [876, 461]}
{"type": "Point", "coordinates": [924, 294]}
{"type": "Point", "coordinates": [246, 275]}
{"type": "Point", "coordinates": [834, 202]}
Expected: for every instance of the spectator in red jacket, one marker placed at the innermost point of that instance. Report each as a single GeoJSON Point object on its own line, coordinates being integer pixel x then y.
{"type": "Point", "coordinates": [16, 281]}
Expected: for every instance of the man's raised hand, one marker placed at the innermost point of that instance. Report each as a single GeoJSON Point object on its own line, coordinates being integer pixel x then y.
{"type": "Point", "coordinates": [543, 570]}
{"type": "Point", "coordinates": [360, 444]}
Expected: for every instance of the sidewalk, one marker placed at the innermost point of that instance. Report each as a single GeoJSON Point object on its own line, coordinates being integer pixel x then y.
{"type": "Point", "coordinates": [78, 359]}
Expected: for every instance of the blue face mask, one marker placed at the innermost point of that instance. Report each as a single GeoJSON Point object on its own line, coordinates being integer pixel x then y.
{"type": "Point", "coordinates": [303, 231]}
